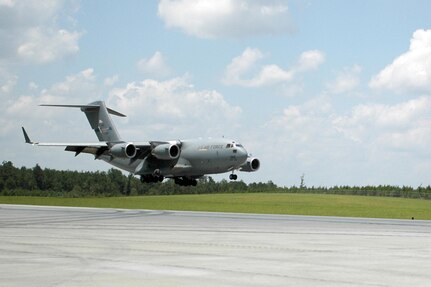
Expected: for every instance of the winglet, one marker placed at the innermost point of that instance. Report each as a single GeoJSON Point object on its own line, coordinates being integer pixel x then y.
{"type": "Point", "coordinates": [27, 139]}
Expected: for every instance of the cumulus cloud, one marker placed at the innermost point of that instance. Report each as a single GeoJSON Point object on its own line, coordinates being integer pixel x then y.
{"type": "Point", "coordinates": [302, 139]}
{"type": "Point", "coordinates": [346, 80]}
{"type": "Point", "coordinates": [268, 74]}
{"type": "Point", "coordinates": [408, 122]}
{"type": "Point", "coordinates": [23, 110]}
{"type": "Point", "coordinates": [310, 60]}
{"type": "Point", "coordinates": [7, 3]}
{"type": "Point", "coordinates": [226, 18]}
{"type": "Point", "coordinates": [410, 71]}
{"type": "Point", "coordinates": [110, 81]}
{"type": "Point", "coordinates": [7, 81]}
{"type": "Point", "coordinates": [29, 32]}
{"type": "Point", "coordinates": [382, 143]}
{"type": "Point", "coordinates": [155, 66]}
{"type": "Point", "coordinates": [42, 45]}
{"type": "Point", "coordinates": [304, 122]}
{"type": "Point", "coordinates": [174, 107]}
{"type": "Point", "coordinates": [75, 89]}
{"type": "Point", "coordinates": [159, 109]}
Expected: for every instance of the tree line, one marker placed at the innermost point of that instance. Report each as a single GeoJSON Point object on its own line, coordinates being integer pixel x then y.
{"type": "Point", "coordinates": [39, 181]}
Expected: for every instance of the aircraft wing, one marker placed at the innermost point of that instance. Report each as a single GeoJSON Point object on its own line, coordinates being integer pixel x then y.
{"type": "Point", "coordinates": [97, 149]}
{"type": "Point", "coordinates": [94, 148]}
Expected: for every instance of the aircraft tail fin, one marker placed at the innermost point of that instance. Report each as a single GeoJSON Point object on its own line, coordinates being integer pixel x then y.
{"type": "Point", "coordinates": [98, 116]}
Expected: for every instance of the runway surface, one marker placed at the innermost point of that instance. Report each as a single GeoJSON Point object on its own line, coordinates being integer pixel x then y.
{"type": "Point", "coordinates": [61, 246]}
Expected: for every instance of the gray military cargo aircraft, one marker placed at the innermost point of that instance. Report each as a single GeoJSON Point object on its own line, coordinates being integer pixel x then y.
{"type": "Point", "coordinates": [182, 160]}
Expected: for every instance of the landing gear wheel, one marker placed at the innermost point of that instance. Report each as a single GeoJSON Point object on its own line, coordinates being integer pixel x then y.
{"type": "Point", "coordinates": [233, 177]}
{"type": "Point", "coordinates": [184, 181]}
{"type": "Point", "coordinates": [149, 178]}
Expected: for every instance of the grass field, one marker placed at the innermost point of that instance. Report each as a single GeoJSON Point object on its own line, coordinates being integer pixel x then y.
{"type": "Point", "coordinates": [271, 203]}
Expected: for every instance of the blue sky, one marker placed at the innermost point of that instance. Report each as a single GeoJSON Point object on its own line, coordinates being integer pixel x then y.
{"type": "Point", "coordinates": [336, 90]}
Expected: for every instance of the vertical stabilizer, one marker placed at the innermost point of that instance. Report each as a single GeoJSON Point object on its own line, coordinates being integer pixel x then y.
{"type": "Point", "coordinates": [100, 120]}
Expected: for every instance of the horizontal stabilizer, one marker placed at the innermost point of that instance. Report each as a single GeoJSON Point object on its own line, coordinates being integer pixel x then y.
{"type": "Point", "coordinates": [86, 107]}
{"type": "Point", "coordinates": [115, 113]}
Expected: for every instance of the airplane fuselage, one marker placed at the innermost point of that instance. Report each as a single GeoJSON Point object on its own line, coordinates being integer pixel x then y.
{"type": "Point", "coordinates": [197, 157]}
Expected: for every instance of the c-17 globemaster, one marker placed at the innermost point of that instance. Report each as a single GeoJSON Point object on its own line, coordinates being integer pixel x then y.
{"type": "Point", "coordinates": [182, 160]}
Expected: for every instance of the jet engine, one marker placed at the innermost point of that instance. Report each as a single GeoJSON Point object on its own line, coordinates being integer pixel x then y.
{"type": "Point", "coordinates": [123, 150]}
{"type": "Point", "coordinates": [251, 164]}
{"type": "Point", "coordinates": [166, 151]}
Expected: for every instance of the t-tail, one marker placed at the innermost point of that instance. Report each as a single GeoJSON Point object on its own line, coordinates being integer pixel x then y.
{"type": "Point", "coordinates": [100, 121]}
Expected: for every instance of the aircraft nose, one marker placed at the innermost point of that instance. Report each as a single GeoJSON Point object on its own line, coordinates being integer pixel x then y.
{"type": "Point", "coordinates": [242, 153]}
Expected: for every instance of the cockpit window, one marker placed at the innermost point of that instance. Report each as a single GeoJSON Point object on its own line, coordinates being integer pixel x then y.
{"type": "Point", "coordinates": [233, 145]}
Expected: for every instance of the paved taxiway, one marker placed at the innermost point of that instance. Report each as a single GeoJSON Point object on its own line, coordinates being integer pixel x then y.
{"type": "Point", "coordinates": [60, 246]}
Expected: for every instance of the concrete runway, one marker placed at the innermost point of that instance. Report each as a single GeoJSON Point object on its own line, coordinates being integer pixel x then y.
{"type": "Point", "coordinates": [60, 246]}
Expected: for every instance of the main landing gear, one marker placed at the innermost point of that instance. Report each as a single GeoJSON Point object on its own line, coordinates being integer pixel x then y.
{"type": "Point", "coordinates": [233, 176]}
{"type": "Point", "coordinates": [150, 178]}
{"type": "Point", "coordinates": [185, 181]}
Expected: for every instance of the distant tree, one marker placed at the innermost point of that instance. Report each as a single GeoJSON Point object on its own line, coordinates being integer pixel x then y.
{"type": "Point", "coordinates": [49, 182]}
{"type": "Point", "coordinates": [302, 185]}
{"type": "Point", "coordinates": [118, 179]}
{"type": "Point", "coordinates": [39, 177]}
{"type": "Point", "coordinates": [9, 175]}
{"type": "Point", "coordinates": [128, 189]}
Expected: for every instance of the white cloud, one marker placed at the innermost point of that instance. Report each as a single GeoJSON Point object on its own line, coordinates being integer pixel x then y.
{"type": "Point", "coordinates": [405, 124]}
{"type": "Point", "coordinates": [367, 144]}
{"type": "Point", "coordinates": [240, 65]}
{"type": "Point", "coordinates": [304, 122]}
{"type": "Point", "coordinates": [78, 88]}
{"type": "Point", "coordinates": [226, 18]}
{"type": "Point", "coordinates": [29, 32]}
{"type": "Point", "coordinates": [46, 45]}
{"type": "Point", "coordinates": [346, 81]}
{"type": "Point", "coordinates": [49, 124]}
{"type": "Point", "coordinates": [416, 138]}
{"type": "Point", "coordinates": [76, 85]}
{"type": "Point", "coordinates": [110, 81]}
{"type": "Point", "coordinates": [155, 67]}
{"type": "Point", "coordinates": [291, 90]}
{"type": "Point", "coordinates": [410, 71]}
{"type": "Point", "coordinates": [310, 60]}
{"type": "Point", "coordinates": [7, 82]}
{"type": "Point", "coordinates": [173, 108]}
{"type": "Point", "coordinates": [7, 3]}
{"type": "Point", "coordinates": [156, 109]}
{"type": "Point", "coordinates": [268, 74]}
{"type": "Point", "coordinates": [32, 86]}
{"type": "Point", "coordinates": [302, 140]}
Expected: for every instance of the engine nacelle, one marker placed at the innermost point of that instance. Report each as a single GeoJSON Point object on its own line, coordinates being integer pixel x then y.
{"type": "Point", "coordinates": [252, 164]}
{"type": "Point", "coordinates": [166, 151]}
{"type": "Point", "coordinates": [123, 150]}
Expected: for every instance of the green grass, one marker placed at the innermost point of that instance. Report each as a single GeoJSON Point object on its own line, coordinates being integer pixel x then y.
{"type": "Point", "coordinates": [272, 203]}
